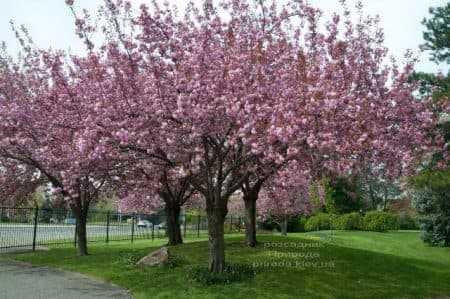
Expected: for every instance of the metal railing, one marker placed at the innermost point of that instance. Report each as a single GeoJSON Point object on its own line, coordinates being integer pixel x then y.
{"type": "Point", "coordinates": [33, 227]}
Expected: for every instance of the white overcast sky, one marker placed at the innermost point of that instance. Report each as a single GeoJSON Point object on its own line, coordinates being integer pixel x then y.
{"type": "Point", "coordinates": [50, 23]}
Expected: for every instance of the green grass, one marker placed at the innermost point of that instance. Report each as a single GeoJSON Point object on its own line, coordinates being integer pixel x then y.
{"type": "Point", "coordinates": [365, 265]}
{"type": "Point", "coordinates": [405, 244]}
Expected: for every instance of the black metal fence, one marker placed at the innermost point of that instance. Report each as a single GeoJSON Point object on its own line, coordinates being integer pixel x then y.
{"type": "Point", "coordinates": [32, 227]}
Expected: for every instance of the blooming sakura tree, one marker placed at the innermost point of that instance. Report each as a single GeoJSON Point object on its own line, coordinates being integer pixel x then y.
{"type": "Point", "coordinates": [286, 194]}
{"type": "Point", "coordinates": [347, 109]}
{"type": "Point", "coordinates": [231, 92]}
{"type": "Point", "coordinates": [220, 100]}
{"type": "Point", "coordinates": [138, 121]}
{"type": "Point", "coordinates": [48, 127]}
{"type": "Point", "coordinates": [17, 183]}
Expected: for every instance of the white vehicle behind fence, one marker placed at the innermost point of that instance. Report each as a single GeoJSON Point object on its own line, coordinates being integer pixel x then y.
{"type": "Point", "coordinates": [144, 223]}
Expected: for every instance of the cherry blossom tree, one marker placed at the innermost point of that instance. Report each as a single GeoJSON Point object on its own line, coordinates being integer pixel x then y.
{"type": "Point", "coordinates": [286, 194]}
{"type": "Point", "coordinates": [223, 98]}
{"type": "Point", "coordinates": [231, 92]}
{"type": "Point", "coordinates": [17, 183]}
{"type": "Point", "coordinates": [354, 109]}
{"type": "Point", "coordinates": [47, 112]}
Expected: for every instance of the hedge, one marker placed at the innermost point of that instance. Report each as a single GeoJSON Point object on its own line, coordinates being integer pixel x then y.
{"type": "Point", "coordinates": [350, 221]}
{"type": "Point", "coordinates": [320, 221]}
{"type": "Point", "coordinates": [380, 221]}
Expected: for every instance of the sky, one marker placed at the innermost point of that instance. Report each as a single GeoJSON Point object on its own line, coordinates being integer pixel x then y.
{"type": "Point", "coordinates": [50, 23]}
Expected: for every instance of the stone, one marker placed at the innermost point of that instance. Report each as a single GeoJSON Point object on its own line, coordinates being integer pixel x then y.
{"type": "Point", "coordinates": [156, 257]}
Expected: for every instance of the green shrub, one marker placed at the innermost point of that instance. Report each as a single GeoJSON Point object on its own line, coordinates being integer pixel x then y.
{"type": "Point", "coordinates": [301, 224]}
{"type": "Point", "coordinates": [173, 262]}
{"type": "Point", "coordinates": [434, 210]}
{"type": "Point", "coordinates": [409, 222]}
{"type": "Point", "coordinates": [320, 221]}
{"type": "Point", "coordinates": [232, 273]}
{"type": "Point", "coordinates": [295, 224]}
{"type": "Point", "coordinates": [269, 224]}
{"type": "Point", "coordinates": [380, 221]}
{"type": "Point", "coordinates": [350, 221]}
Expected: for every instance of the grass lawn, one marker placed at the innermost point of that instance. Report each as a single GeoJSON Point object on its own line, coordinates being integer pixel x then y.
{"type": "Point", "coordinates": [346, 265]}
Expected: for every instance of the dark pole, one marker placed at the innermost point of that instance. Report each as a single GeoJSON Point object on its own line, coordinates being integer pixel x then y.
{"type": "Point", "coordinates": [239, 224]}
{"type": "Point", "coordinates": [132, 228]}
{"type": "Point", "coordinates": [107, 227]}
{"type": "Point", "coordinates": [153, 232]}
{"type": "Point", "coordinates": [35, 227]}
{"type": "Point", "coordinates": [75, 237]}
{"type": "Point", "coordinates": [198, 226]}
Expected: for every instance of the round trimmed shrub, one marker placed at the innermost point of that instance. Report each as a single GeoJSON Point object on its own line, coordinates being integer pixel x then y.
{"type": "Point", "coordinates": [320, 221]}
{"type": "Point", "coordinates": [379, 221]}
{"type": "Point", "coordinates": [350, 221]}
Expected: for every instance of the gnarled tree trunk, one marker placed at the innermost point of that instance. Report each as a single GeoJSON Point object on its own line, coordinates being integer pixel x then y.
{"type": "Point", "coordinates": [216, 220]}
{"type": "Point", "coordinates": [250, 197]}
{"type": "Point", "coordinates": [81, 212]}
{"type": "Point", "coordinates": [174, 194]}
{"type": "Point", "coordinates": [250, 220]}
{"type": "Point", "coordinates": [220, 176]}
{"type": "Point", "coordinates": [172, 211]}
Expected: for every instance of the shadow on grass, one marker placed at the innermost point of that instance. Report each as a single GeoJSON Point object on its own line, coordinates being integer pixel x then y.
{"type": "Point", "coordinates": [283, 270]}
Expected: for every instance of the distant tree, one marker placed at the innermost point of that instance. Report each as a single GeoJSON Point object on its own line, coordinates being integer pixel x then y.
{"type": "Point", "coordinates": [378, 187]}
{"type": "Point", "coordinates": [432, 201]}
{"type": "Point", "coordinates": [345, 196]}
{"type": "Point", "coordinates": [404, 209]}
{"type": "Point", "coordinates": [285, 195]}
{"type": "Point", "coordinates": [431, 196]}
{"type": "Point", "coordinates": [437, 35]}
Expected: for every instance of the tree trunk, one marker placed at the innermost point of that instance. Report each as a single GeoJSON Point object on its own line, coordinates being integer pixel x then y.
{"type": "Point", "coordinates": [250, 220]}
{"type": "Point", "coordinates": [172, 211]}
{"type": "Point", "coordinates": [216, 220]}
{"type": "Point", "coordinates": [250, 197]}
{"type": "Point", "coordinates": [284, 226]}
{"type": "Point", "coordinates": [173, 223]}
{"type": "Point", "coordinates": [81, 218]}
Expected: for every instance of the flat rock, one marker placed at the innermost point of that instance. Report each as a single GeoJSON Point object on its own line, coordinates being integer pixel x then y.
{"type": "Point", "coordinates": [156, 257]}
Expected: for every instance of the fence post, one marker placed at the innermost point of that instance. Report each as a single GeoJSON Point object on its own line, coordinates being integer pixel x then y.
{"type": "Point", "coordinates": [132, 228]}
{"type": "Point", "coordinates": [107, 227]}
{"type": "Point", "coordinates": [239, 224]}
{"type": "Point", "coordinates": [198, 226]}
{"type": "Point", "coordinates": [75, 236]}
{"type": "Point", "coordinates": [184, 225]}
{"type": "Point", "coordinates": [153, 232]}
{"type": "Point", "coordinates": [35, 227]}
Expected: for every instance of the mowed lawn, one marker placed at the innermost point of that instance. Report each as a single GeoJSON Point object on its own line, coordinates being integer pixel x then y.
{"type": "Point", "coordinates": [310, 265]}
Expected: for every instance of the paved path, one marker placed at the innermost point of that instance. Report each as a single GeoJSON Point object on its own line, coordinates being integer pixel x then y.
{"type": "Point", "coordinates": [25, 281]}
